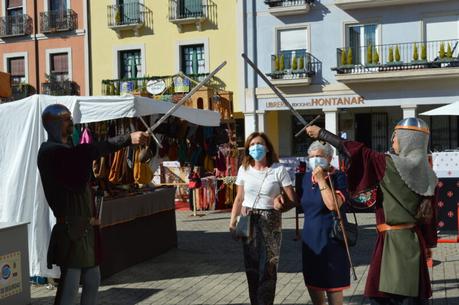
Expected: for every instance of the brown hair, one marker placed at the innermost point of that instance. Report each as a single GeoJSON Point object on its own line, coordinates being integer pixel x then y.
{"type": "Point", "coordinates": [271, 156]}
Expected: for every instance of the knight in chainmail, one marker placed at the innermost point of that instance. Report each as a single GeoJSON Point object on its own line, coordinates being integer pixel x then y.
{"type": "Point", "coordinates": [405, 186]}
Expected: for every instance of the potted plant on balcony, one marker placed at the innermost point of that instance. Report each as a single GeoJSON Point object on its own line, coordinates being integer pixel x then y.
{"type": "Point", "coordinates": [294, 65]}
{"type": "Point", "coordinates": [416, 62]}
{"type": "Point", "coordinates": [117, 16]}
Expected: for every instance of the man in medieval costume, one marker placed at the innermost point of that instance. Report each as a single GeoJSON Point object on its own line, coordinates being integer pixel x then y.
{"type": "Point", "coordinates": [65, 172]}
{"type": "Point", "coordinates": [405, 186]}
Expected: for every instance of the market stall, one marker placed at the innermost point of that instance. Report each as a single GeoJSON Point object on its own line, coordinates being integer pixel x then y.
{"type": "Point", "coordinates": [446, 166]}
{"type": "Point", "coordinates": [21, 194]}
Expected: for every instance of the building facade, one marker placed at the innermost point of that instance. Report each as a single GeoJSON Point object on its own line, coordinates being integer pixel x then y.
{"type": "Point", "coordinates": [136, 39]}
{"type": "Point", "coordinates": [363, 64]}
{"type": "Point", "coordinates": [44, 46]}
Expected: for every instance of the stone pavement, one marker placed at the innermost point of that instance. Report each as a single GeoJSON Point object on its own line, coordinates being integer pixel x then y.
{"type": "Point", "coordinates": [207, 268]}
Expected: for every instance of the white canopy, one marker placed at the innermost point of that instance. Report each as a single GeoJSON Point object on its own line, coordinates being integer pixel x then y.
{"type": "Point", "coordinates": [450, 109]}
{"type": "Point", "coordinates": [21, 134]}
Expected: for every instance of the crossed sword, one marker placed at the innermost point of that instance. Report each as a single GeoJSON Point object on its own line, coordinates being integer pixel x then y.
{"type": "Point", "coordinates": [306, 124]}
{"type": "Point", "coordinates": [179, 104]}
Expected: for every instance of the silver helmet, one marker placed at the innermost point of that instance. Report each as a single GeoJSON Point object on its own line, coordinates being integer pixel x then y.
{"type": "Point", "coordinates": [413, 124]}
{"type": "Point", "coordinates": [52, 118]}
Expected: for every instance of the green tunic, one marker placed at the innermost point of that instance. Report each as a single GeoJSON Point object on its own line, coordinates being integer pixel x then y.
{"type": "Point", "coordinates": [401, 254]}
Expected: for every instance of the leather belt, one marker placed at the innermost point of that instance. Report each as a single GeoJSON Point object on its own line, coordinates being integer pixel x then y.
{"type": "Point", "coordinates": [385, 227]}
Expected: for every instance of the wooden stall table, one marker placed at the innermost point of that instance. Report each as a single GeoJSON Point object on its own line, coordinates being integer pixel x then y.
{"type": "Point", "coordinates": [137, 228]}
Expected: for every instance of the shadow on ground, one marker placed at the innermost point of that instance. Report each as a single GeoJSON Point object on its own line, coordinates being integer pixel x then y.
{"type": "Point", "coordinates": [117, 296]}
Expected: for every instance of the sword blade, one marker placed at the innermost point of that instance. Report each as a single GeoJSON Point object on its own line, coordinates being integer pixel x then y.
{"type": "Point", "coordinates": [186, 97]}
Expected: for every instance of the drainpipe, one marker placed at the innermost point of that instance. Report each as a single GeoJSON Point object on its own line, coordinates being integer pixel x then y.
{"type": "Point", "coordinates": [37, 61]}
{"type": "Point", "coordinates": [255, 60]}
{"type": "Point", "coordinates": [87, 49]}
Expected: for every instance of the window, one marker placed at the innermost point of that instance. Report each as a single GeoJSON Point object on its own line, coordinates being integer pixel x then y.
{"type": "Point", "coordinates": [359, 37]}
{"type": "Point", "coordinates": [292, 42]}
{"type": "Point", "coordinates": [441, 28]}
{"type": "Point", "coordinates": [130, 64]}
{"type": "Point", "coordinates": [192, 59]}
{"type": "Point", "coordinates": [190, 8]}
{"type": "Point", "coordinates": [57, 5]}
{"type": "Point", "coordinates": [301, 143]}
{"type": "Point", "coordinates": [443, 133]}
{"type": "Point", "coordinates": [16, 67]}
{"type": "Point", "coordinates": [14, 7]}
{"type": "Point", "coordinates": [59, 66]}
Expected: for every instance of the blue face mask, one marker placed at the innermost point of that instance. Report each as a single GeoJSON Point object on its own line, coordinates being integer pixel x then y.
{"type": "Point", "coordinates": [257, 152]}
{"type": "Point", "coordinates": [318, 161]}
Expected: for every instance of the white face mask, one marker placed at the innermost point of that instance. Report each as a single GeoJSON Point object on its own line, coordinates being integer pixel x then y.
{"type": "Point", "coordinates": [318, 161]}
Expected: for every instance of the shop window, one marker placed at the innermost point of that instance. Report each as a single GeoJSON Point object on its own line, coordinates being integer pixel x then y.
{"type": "Point", "coordinates": [301, 143]}
{"type": "Point", "coordinates": [59, 66]}
{"type": "Point", "coordinates": [192, 59]}
{"type": "Point", "coordinates": [130, 64]}
{"type": "Point", "coordinates": [240, 132]}
{"type": "Point", "coordinates": [359, 37]}
{"type": "Point", "coordinates": [444, 133]}
{"type": "Point", "coordinates": [16, 67]}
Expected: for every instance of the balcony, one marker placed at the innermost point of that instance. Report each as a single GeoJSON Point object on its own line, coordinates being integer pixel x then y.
{"type": "Point", "coordinates": [355, 4]}
{"type": "Point", "coordinates": [126, 17]}
{"type": "Point", "coordinates": [403, 61]}
{"type": "Point", "coordinates": [189, 12]}
{"type": "Point", "coordinates": [280, 8]}
{"type": "Point", "coordinates": [58, 21]}
{"type": "Point", "coordinates": [11, 26]}
{"type": "Point", "coordinates": [65, 87]}
{"type": "Point", "coordinates": [293, 68]}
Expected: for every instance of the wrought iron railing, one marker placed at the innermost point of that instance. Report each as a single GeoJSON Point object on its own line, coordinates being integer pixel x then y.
{"type": "Point", "coordinates": [15, 26]}
{"type": "Point", "coordinates": [126, 14]}
{"type": "Point", "coordinates": [57, 21]}
{"type": "Point", "coordinates": [287, 3]}
{"type": "Point", "coordinates": [398, 56]}
{"type": "Point", "coordinates": [293, 64]}
{"type": "Point", "coordinates": [138, 85]}
{"type": "Point", "coordinates": [189, 9]}
{"type": "Point", "coordinates": [65, 87]}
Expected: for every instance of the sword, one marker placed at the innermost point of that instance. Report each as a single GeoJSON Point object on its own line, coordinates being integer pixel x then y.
{"type": "Point", "coordinates": [186, 97]}
{"type": "Point", "coordinates": [282, 98]}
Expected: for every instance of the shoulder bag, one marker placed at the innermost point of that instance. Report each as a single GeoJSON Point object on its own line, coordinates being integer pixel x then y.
{"type": "Point", "coordinates": [244, 225]}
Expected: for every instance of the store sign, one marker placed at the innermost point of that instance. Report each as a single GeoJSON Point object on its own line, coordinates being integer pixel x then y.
{"type": "Point", "coordinates": [156, 86]}
{"type": "Point", "coordinates": [181, 84]}
{"type": "Point", "coordinates": [318, 102]}
{"type": "Point", "coordinates": [10, 278]}
{"type": "Point", "coordinates": [126, 87]}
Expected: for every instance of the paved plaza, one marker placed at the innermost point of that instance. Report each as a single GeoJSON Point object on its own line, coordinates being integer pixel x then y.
{"type": "Point", "coordinates": [207, 268]}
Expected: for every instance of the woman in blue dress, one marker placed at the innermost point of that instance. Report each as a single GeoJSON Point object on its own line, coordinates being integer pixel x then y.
{"type": "Point", "coordinates": [325, 265]}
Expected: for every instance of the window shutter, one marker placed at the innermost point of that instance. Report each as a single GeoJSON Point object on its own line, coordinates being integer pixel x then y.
{"type": "Point", "coordinates": [60, 63]}
{"type": "Point", "coordinates": [14, 3]}
{"type": "Point", "coordinates": [16, 67]}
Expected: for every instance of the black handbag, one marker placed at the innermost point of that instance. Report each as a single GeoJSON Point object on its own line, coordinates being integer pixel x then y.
{"type": "Point", "coordinates": [244, 226]}
{"type": "Point", "coordinates": [352, 230]}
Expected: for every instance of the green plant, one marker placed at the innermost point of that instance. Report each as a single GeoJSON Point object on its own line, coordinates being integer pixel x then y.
{"type": "Point", "coordinates": [375, 57]}
{"type": "Point", "coordinates": [349, 57]}
{"type": "Point", "coordinates": [391, 55]}
{"type": "Point", "coordinates": [415, 52]}
{"type": "Point", "coordinates": [369, 54]}
{"type": "Point", "coordinates": [424, 52]}
{"type": "Point", "coordinates": [301, 64]}
{"type": "Point", "coordinates": [442, 50]}
{"type": "Point", "coordinates": [397, 53]}
{"type": "Point", "coordinates": [449, 52]}
{"type": "Point", "coordinates": [143, 90]}
{"type": "Point", "coordinates": [276, 63]}
{"type": "Point", "coordinates": [281, 63]}
{"type": "Point", "coordinates": [118, 16]}
{"type": "Point", "coordinates": [294, 63]}
{"type": "Point", "coordinates": [343, 56]}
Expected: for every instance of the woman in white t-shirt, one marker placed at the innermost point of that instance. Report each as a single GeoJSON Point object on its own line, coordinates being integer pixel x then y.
{"type": "Point", "coordinates": [259, 182]}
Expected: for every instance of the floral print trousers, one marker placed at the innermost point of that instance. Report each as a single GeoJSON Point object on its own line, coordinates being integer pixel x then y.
{"type": "Point", "coordinates": [261, 256]}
